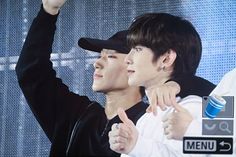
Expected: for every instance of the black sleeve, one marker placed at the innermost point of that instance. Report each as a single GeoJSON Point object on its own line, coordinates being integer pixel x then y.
{"type": "Point", "coordinates": [194, 85]}
{"type": "Point", "coordinates": [49, 99]}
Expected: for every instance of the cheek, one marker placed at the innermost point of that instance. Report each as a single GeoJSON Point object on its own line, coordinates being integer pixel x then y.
{"type": "Point", "coordinates": [143, 74]}
{"type": "Point", "coordinates": [120, 75]}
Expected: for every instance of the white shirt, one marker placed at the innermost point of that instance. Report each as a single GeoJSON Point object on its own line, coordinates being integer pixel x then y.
{"type": "Point", "coordinates": [153, 143]}
{"type": "Point", "coordinates": [227, 87]}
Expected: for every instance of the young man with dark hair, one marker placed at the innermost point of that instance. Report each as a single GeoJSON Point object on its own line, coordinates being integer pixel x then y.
{"type": "Point", "coordinates": [163, 47]}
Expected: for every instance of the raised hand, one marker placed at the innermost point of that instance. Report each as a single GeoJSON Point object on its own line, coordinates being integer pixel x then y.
{"type": "Point", "coordinates": [162, 96]}
{"type": "Point", "coordinates": [52, 6]}
{"type": "Point", "coordinates": [176, 123]}
{"type": "Point", "coordinates": [123, 136]}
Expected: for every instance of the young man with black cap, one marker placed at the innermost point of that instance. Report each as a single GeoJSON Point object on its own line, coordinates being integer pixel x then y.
{"type": "Point", "coordinates": [75, 125]}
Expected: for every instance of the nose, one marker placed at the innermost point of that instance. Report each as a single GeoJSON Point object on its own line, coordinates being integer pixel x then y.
{"type": "Point", "coordinates": [98, 64]}
{"type": "Point", "coordinates": [128, 58]}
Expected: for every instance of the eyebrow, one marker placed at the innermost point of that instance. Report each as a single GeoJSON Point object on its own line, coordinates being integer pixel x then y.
{"type": "Point", "coordinates": [111, 52]}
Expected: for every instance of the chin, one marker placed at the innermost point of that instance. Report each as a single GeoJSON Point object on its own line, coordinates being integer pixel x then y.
{"type": "Point", "coordinates": [94, 87]}
{"type": "Point", "coordinates": [132, 83]}
{"type": "Point", "coordinates": [97, 89]}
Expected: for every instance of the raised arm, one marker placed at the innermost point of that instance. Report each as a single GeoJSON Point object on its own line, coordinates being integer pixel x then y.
{"type": "Point", "coordinates": [49, 99]}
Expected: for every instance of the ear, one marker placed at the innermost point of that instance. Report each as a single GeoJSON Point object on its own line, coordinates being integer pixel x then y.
{"type": "Point", "coordinates": [169, 59]}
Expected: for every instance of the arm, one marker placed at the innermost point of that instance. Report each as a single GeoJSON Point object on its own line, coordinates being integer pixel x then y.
{"type": "Point", "coordinates": [227, 84]}
{"type": "Point", "coordinates": [165, 95]}
{"type": "Point", "coordinates": [193, 85]}
{"type": "Point", "coordinates": [49, 99]}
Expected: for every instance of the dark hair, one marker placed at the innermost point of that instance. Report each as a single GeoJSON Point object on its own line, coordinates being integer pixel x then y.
{"type": "Point", "coordinates": [161, 32]}
{"type": "Point", "coordinates": [142, 91]}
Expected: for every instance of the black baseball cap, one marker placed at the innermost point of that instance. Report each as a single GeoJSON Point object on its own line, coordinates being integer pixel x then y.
{"type": "Point", "coordinates": [116, 42]}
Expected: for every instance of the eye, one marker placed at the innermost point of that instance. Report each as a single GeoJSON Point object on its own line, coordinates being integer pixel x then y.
{"type": "Point", "coordinates": [98, 57]}
{"type": "Point", "coordinates": [111, 56]}
{"type": "Point", "coordinates": [138, 49]}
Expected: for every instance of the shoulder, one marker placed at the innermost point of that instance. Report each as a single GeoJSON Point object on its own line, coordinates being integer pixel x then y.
{"type": "Point", "coordinates": [193, 104]}
{"type": "Point", "coordinates": [230, 75]}
{"type": "Point", "coordinates": [190, 99]}
{"type": "Point", "coordinates": [78, 104]}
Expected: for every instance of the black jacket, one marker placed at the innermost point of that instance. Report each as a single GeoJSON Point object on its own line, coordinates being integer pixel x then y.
{"type": "Point", "coordinates": [75, 125]}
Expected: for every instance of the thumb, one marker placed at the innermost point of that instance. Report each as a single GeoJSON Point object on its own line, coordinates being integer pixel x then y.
{"type": "Point", "coordinates": [124, 118]}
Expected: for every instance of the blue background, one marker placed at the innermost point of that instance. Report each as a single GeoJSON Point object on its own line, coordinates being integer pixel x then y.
{"type": "Point", "coordinates": [20, 134]}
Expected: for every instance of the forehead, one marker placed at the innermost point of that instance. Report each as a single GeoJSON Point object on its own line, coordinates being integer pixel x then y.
{"type": "Point", "coordinates": [109, 51]}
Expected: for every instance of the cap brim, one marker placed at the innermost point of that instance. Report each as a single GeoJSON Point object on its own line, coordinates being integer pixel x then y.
{"type": "Point", "coordinates": [97, 45]}
{"type": "Point", "coordinates": [91, 44]}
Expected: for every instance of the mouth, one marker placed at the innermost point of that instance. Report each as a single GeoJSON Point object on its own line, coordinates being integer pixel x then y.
{"type": "Point", "coordinates": [97, 76]}
{"type": "Point", "coordinates": [130, 72]}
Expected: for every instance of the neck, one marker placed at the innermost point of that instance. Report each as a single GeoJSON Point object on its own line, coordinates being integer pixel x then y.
{"type": "Point", "coordinates": [124, 99]}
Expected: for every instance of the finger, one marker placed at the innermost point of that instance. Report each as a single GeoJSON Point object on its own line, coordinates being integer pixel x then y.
{"type": "Point", "coordinates": [153, 103]}
{"type": "Point", "coordinates": [112, 134]}
{"type": "Point", "coordinates": [168, 129]}
{"type": "Point", "coordinates": [165, 125]}
{"type": "Point", "coordinates": [124, 118]}
{"type": "Point", "coordinates": [117, 139]}
{"type": "Point", "coordinates": [121, 139]}
{"type": "Point", "coordinates": [124, 130]}
{"type": "Point", "coordinates": [169, 136]}
{"type": "Point", "coordinates": [160, 100]}
{"type": "Point", "coordinates": [167, 98]}
{"type": "Point", "coordinates": [120, 129]}
{"type": "Point", "coordinates": [117, 147]}
{"type": "Point", "coordinates": [173, 101]}
{"type": "Point", "coordinates": [115, 126]}
{"type": "Point", "coordinates": [111, 138]}
{"type": "Point", "coordinates": [115, 130]}
{"type": "Point", "coordinates": [149, 109]}
{"type": "Point", "coordinates": [165, 118]}
{"type": "Point", "coordinates": [154, 109]}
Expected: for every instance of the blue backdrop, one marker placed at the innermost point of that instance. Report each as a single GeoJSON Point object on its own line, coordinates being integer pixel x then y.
{"type": "Point", "coordinates": [20, 134]}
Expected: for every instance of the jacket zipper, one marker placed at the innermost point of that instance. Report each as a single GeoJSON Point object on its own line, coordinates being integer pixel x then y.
{"type": "Point", "coordinates": [104, 130]}
{"type": "Point", "coordinates": [75, 128]}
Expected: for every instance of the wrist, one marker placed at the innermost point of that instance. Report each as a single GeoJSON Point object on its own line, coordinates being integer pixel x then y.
{"type": "Point", "coordinates": [51, 10]}
{"type": "Point", "coordinates": [174, 85]}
